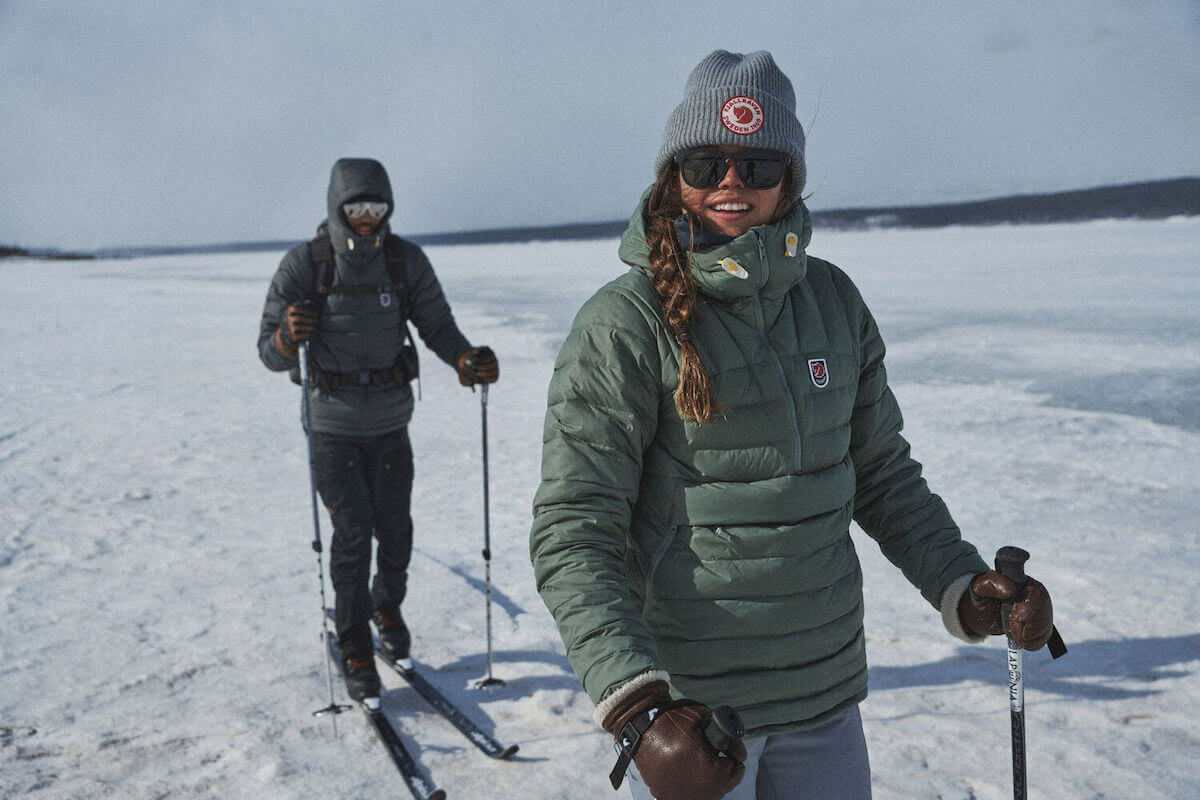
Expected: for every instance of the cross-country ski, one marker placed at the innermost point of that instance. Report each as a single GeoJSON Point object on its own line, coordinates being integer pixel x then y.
{"type": "Point", "coordinates": [420, 786]}
{"type": "Point", "coordinates": [448, 709]}
{"type": "Point", "coordinates": [407, 669]}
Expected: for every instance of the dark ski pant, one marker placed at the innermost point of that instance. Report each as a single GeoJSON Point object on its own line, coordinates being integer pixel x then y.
{"type": "Point", "coordinates": [367, 486]}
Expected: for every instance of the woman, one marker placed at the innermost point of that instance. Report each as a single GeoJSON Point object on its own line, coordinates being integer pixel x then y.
{"type": "Point", "coordinates": [717, 417]}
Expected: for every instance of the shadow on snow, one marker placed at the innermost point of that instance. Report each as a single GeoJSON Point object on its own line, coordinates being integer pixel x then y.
{"type": "Point", "coordinates": [1094, 670]}
{"type": "Point", "coordinates": [506, 603]}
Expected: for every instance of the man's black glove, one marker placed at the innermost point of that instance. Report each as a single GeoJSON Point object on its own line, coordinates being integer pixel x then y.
{"type": "Point", "coordinates": [478, 365]}
{"type": "Point", "coordinates": [299, 323]}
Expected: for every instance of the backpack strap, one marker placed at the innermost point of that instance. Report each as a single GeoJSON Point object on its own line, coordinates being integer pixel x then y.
{"type": "Point", "coordinates": [321, 251]}
{"type": "Point", "coordinates": [393, 254]}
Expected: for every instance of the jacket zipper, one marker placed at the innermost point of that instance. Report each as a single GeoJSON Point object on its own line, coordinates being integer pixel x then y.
{"type": "Point", "coordinates": [761, 327]}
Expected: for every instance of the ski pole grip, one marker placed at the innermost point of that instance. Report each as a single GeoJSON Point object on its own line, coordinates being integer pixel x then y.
{"type": "Point", "coordinates": [723, 727]}
{"type": "Point", "coordinates": [1010, 562]}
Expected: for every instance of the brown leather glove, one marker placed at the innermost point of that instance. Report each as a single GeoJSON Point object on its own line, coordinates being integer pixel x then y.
{"type": "Point", "coordinates": [674, 757]}
{"type": "Point", "coordinates": [478, 365]}
{"type": "Point", "coordinates": [1032, 619]}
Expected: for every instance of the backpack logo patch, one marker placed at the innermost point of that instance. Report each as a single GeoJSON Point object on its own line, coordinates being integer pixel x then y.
{"type": "Point", "coordinates": [385, 299]}
{"type": "Point", "coordinates": [818, 372]}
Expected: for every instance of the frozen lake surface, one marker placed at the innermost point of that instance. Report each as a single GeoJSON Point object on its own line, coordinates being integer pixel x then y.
{"type": "Point", "coordinates": [160, 597]}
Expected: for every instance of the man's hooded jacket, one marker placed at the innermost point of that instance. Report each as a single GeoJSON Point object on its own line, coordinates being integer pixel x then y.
{"type": "Point", "coordinates": [360, 331]}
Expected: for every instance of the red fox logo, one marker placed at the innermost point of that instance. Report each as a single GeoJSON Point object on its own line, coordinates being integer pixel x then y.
{"type": "Point", "coordinates": [818, 372]}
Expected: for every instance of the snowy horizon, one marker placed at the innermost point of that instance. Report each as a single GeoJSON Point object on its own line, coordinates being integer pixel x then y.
{"type": "Point", "coordinates": [1145, 200]}
{"type": "Point", "coordinates": [160, 597]}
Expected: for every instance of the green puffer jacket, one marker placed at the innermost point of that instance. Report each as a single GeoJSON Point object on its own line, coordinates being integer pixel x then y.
{"type": "Point", "coordinates": [721, 553]}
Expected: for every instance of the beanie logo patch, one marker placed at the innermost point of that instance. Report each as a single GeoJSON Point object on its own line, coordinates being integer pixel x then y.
{"type": "Point", "coordinates": [742, 115]}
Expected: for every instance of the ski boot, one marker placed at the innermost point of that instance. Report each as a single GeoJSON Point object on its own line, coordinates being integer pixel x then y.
{"type": "Point", "coordinates": [362, 679]}
{"type": "Point", "coordinates": [394, 638]}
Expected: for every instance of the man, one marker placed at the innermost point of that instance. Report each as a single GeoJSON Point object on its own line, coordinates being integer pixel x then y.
{"type": "Point", "coordinates": [349, 293]}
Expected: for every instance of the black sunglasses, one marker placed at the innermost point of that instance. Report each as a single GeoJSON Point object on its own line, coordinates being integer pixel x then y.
{"type": "Point", "coordinates": [758, 169]}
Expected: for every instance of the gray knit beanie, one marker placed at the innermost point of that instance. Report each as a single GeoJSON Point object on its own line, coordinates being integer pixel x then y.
{"type": "Point", "coordinates": [735, 99]}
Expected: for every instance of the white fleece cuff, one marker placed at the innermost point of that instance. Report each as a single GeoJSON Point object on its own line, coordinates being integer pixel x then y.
{"type": "Point", "coordinates": [950, 618]}
{"type": "Point", "coordinates": [610, 703]}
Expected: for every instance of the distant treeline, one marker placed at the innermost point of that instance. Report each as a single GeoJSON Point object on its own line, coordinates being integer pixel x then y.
{"type": "Point", "coordinates": [1152, 200]}
{"type": "Point", "coordinates": [7, 251]}
{"type": "Point", "coordinates": [1157, 200]}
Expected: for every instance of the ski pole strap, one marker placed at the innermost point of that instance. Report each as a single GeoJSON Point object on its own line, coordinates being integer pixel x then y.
{"type": "Point", "coordinates": [1056, 645]}
{"type": "Point", "coordinates": [630, 739]}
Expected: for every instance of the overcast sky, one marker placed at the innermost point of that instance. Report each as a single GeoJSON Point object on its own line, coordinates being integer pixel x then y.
{"type": "Point", "coordinates": [153, 123]}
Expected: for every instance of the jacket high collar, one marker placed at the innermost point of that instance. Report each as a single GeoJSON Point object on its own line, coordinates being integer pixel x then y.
{"type": "Point", "coordinates": [765, 262]}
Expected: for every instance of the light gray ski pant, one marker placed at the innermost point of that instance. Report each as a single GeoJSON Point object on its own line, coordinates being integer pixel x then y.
{"type": "Point", "coordinates": [828, 762]}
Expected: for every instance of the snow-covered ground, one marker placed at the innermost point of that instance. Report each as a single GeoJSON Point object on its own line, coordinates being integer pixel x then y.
{"type": "Point", "coordinates": [160, 598]}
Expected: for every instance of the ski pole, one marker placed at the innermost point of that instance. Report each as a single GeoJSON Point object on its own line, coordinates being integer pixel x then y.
{"type": "Point", "coordinates": [487, 549]}
{"type": "Point", "coordinates": [333, 708]}
{"type": "Point", "coordinates": [1010, 562]}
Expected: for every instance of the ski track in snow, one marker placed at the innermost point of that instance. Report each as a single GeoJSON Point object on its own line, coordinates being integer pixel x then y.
{"type": "Point", "coordinates": [160, 597]}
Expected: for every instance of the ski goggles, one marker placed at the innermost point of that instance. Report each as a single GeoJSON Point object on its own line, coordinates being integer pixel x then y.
{"type": "Point", "coordinates": [758, 169]}
{"type": "Point", "coordinates": [362, 208]}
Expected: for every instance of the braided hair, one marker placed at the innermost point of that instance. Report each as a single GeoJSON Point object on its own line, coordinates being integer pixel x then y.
{"type": "Point", "coordinates": [672, 280]}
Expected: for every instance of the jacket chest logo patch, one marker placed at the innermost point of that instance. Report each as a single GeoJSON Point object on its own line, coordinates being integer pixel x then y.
{"type": "Point", "coordinates": [818, 372]}
{"type": "Point", "coordinates": [385, 299]}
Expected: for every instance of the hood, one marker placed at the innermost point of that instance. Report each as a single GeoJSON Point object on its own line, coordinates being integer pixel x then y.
{"type": "Point", "coordinates": [352, 178]}
{"type": "Point", "coordinates": [767, 260]}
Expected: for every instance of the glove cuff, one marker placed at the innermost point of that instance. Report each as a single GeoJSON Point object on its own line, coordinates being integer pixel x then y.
{"type": "Point", "coordinates": [949, 607]}
{"type": "Point", "coordinates": [625, 693]}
